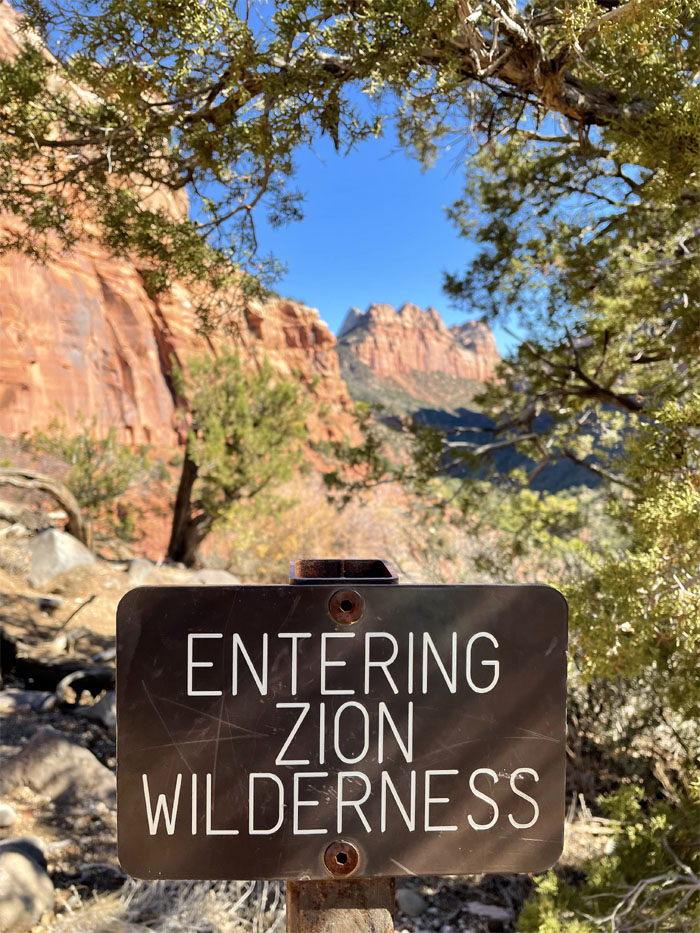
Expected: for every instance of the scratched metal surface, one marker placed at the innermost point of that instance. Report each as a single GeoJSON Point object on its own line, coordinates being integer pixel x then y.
{"type": "Point", "coordinates": [163, 732]}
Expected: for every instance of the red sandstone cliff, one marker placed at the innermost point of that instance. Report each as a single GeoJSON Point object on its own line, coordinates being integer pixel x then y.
{"type": "Point", "coordinates": [81, 335]}
{"type": "Point", "coordinates": [397, 344]}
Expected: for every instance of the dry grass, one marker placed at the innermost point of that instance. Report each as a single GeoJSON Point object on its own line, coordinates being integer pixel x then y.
{"type": "Point", "coordinates": [261, 538]}
{"type": "Point", "coordinates": [177, 907]}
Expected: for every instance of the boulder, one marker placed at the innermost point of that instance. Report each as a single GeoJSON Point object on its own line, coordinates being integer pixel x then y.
{"type": "Point", "coordinates": [61, 770]}
{"type": "Point", "coordinates": [209, 576]}
{"type": "Point", "coordinates": [139, 571]}
{"type": "Point", "coordinates": [55, 552]}
{"type": "Point", "coordinates": [31, 846]}
{"type": "Point", "coordinates": [14, 700]}
{"type": "Point", "coordinates": [491, 913]}
{"type": "Point", "coordinates": [104, 711]}
{"type": "Point", "coordinates": [8, 817]}
{"type": "Point", "coordinates": [26, 891]}
{"type": "Point", "coordinates": [410, 902]}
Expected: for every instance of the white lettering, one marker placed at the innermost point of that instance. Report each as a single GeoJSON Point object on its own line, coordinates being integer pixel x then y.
{"type": "Point", "coordinates": [261, 681]}
{"type": "Point", "coordinates": [450, 679]}
{"type": "Point", "coordinates": [326, 663]}
{"type": "Point", "coordinates": [169, 817]}
{"type": "Point", "coordinates": [210, 831]}
{"type": "Point", "coordinates": [336, 732]}
{"type": "Point", "coordinates": [191, 692]}
{"type": "Point", "coordinates": [280, 759]}
{"type": "Point", "coordinates": [322, 733]}
{"type": "Point", "coordinates": [356, 804]}
{"type": "Point", "coordinates": [429, 775]}
{"type": "Point", "coordinates": [384, 665]}
{"type": "Point", "coordinates": [407, 749]}
{"type": "Point", "coordinates": [408, 818]}
{"type": "Point", "coordinates": [257, 776]}
{"type": "Point", "coordinates": [194, 803]}
{"type": "Point", "coordinates": [295, 636]}
{"type": "Point", "coordinates": [536, 810]}
{"type": "Point", "coordinates": [492, 803]}
{"type": "Point", "coordinates": [494, 664]}
{"type": "Point", "coordinates": [297, 803]}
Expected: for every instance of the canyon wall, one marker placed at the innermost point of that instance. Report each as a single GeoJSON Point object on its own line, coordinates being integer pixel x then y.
{"type": "Point", "coordinates": [80, 335]}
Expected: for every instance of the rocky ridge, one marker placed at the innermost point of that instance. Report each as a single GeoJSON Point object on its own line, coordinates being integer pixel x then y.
{"type": "Point", "coordinates": [397, 343]}
{"type": "Point", "coordinates": [410, 351]}
{"type": "Point", "coordinates": [81, 335]}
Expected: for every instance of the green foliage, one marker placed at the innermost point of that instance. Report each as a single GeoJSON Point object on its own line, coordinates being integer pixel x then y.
{"type": "Point", "coordinates": [650, 881]}
{"type": "Point", "coordinates": [100, 470]}
{"type": "Point", "coordinates": [246, 431]}
{"type": "Point", "coordinates": [215, 98]}
{"type": "Point", "coordinates": [637, 610]}
{"type": "Point", "coordinates": [359, 466]}
{"type": "Point", "coordinates": [246, 436]}
{"type": "Point", "coordinates": [538, 530]}
{"type": "Point", "coordinates": [589, 236]}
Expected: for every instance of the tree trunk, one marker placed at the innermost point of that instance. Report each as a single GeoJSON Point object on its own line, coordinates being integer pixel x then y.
{"type": "Point", "coordinates": [79, 524]}
{"type": "Point", "coordinates": [196, 531]}
{"type": "Point", "coordinates": [187, 532]}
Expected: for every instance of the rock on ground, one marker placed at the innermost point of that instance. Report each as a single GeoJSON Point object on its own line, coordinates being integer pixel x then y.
{"type": "Point", "coordinates": [7, 815]}
{"type": "Point", "coordinates": [55, 552]}
{"type": "Point", "coordinates": [14, 700]}
{"type": "Point", "coordinates": [139, 571]}
{"type": "Point", "coordinates": [410, 902]}
{"type": "Point", "coordinates": [489, 912]}
{"type": "Point", "coordinates": [61, 770]}
{"type": "Point", "coordinates": [104, 711]}
{"type": "Point", "coordinates": [26, 891]}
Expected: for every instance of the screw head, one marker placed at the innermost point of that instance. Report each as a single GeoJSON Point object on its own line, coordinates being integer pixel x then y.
{"type": "Point", "coordinates": [346, 606]}
{"type": "Point", "coordinates": [341, 858]}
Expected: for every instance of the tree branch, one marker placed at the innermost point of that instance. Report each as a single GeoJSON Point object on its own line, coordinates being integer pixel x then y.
{"type": "Point", "coordinates": [79, 525]}
{"type": "Point", "coordinates": [612, 18]}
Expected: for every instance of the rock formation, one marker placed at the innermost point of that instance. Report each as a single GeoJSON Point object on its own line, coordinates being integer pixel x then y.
{"type": "Point", "coordinates": [80, 335]}
{"type": "Point", "coordinates": [477, 339]}
{"type": "Point", "coordinates": [396, 344]}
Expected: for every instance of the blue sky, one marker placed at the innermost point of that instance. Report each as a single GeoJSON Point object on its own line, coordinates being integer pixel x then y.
{"type": "Point", "coordinates": [374, 230]}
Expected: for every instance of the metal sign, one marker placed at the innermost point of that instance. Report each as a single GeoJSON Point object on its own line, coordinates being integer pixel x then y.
{"type": "Point", "coordinates": [310, 731]}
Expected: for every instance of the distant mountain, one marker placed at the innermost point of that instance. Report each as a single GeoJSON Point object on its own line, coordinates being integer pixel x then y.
{"type": "Point", "coordinates": [410, 362]}
{"type": "Point", "coordinates": [408, 358]}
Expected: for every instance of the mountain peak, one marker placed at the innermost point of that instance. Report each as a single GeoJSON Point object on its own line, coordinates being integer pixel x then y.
{"type": "Point", "coordinates": [397, 343]}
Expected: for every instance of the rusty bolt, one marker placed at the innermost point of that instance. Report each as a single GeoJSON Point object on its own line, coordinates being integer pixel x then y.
{"type": "Point", "coordinates": [341, 858]}
{"type": "Point", "coordinates": [346, 606]}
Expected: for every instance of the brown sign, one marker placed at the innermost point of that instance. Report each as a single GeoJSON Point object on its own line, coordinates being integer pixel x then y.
{"type": "Point", "coordinates": [258, 737]}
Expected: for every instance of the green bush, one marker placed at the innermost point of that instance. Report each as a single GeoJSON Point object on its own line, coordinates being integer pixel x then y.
{"type": "Point", "coordinates": [100, 470]}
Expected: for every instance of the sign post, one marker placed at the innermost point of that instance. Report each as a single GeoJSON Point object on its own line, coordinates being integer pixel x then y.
{"type": "Point", "coordinates": [338, 732]}
{"type": "Point", "coordinates": [350, 905]}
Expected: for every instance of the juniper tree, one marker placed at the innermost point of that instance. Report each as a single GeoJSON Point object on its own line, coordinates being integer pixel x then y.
{"type": "Point", "coordinates": [246, 433]}
{"type": "Point", "coordinates": [214, 99]}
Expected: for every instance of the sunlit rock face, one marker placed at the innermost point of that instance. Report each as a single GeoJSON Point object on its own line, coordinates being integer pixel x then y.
{"type": "Point", "coordinates": [394, 343]}
{"type": "Point", "coordinates": [80, 335]}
